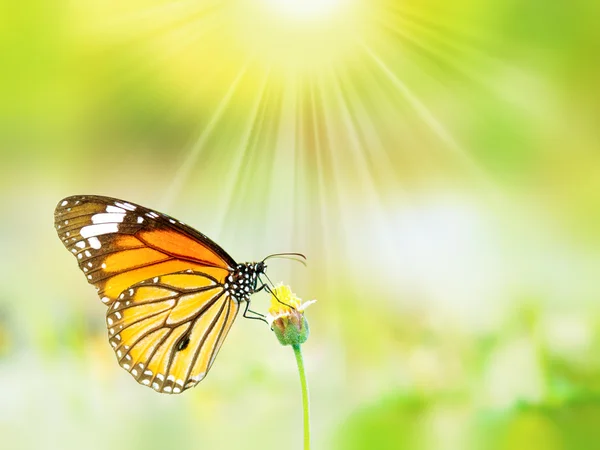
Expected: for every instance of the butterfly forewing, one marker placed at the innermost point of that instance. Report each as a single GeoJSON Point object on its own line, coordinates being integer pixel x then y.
{"type": "Point", "coordinates": [118, 244]}
{"type": "Point", "coordinates": [164, 284]}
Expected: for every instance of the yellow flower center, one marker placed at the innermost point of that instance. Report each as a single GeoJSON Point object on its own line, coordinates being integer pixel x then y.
{"type": "Point", "coordinates": [281, 298]}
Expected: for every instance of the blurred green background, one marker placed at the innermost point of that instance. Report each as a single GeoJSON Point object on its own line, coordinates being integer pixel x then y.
{"type": "Point", "coordinates": [438, 162]}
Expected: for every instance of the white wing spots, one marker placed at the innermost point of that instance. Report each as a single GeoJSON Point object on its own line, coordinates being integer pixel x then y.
{"type": "Point", "coordinates": [172, 221]}
{"type": "Point", "coordinates": [155, 385]}
{"type": "Point", "coordinates": [199, 378]}
{"type": "Point", "coordinates": [64, 203]}
{"type": "Point", "coordinates": [103, 265]}
{"type": "Point", "coordinates": [98, 230]}
{"type": "Point", "coordinates": [171, 377]}
{"type": "Point", "coordinates": [155, 280]}
{"type": "Point", "coordinates": [167, 389]}
{"type": "Point", "coordinates": [148, 372]}
{"type": "Point", "coordinates": [125, 205]}
{"type": "Point", "coordinates": [131, 291]}
{"type": "Point", "coordinates": [140, 219]}
{"type": "Point", "coordinates": [118, 315]}
{"type": "Point", "coordinates": [90, 265]}
{"type": "Point", "coordinates": [94, 243]}
{"type": "Point", "coordinates": [107, 218]}
{"type": "Point", "coordinates": [87, 254]}
{"type": "Point", "coordinates": [114, 344]}
{"type": "Point", "coordinates": [146, 381]}
{"type": "Point", "coordinates": [80, 244]}
{"type": "Point", "coordinates": [114, 209]}
{"type": "Point", "coordinates": [152, 215]}
{"type": "Point", "coordinates": [119, 353]}
{"type": "Point", "coordinates": [134, 372]}
{"type": "Point", "coordinates": [126, 366]}
{"type": "Point", "coordinates": [110, 321]}
{"type": "Point", "coordinates": [67, 234]}
{"type": "Point", "coordinates": [66, 222]}
{"type": "Point", "coordinates": [176, 390]}
{"type": "Point", "coordinates": [190, 384]}
{"type": "Point", "coordinates": [116, 305]}
{"type": "Point", "coordinates": [85, 269]}
{"type": "Point", "coordinates": [79, 255]}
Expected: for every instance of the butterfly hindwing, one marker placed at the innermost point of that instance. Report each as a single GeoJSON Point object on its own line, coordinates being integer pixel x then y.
{"type": "Point", "coordinates": [166, 331]}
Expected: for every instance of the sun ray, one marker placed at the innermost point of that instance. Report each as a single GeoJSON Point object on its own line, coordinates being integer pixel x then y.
{"type": "Point", "coordinates": [328, 199]}
{"type": "Point", "coordinates": [426, 115]}
{"type": "Point", "coordinates": [361, 151]}
{"type": "Point", "coordinates": [189, 163]}
{"type": "Point", "coordinates": [361, 122]}
{"type": "Point", "coordinates": [236, 162]}
{"type": "Point", "coordinates": [281, 208]}
{"type": "Point", "coordinates": [440, 45]}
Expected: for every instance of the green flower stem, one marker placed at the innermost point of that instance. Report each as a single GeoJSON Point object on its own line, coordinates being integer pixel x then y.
{"type": "Point", "coordinates": [304, 385]}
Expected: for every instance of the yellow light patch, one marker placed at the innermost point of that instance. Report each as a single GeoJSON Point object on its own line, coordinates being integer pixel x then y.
{"type": "Point", "coordinates": [189, 305]}
{"type": "Point", "coordinates": [298, 35]}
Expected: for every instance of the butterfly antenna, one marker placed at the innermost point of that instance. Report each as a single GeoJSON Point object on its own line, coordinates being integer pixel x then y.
{"type": "Point", "coordinates": [289, 256]}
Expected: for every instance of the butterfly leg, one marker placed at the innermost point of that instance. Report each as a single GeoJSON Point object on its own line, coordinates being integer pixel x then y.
{"type": "Point", "coordinates": [256, 316]}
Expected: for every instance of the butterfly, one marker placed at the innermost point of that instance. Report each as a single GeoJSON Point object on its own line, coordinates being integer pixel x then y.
{"type": "Point", "coordinates": [172, 293]}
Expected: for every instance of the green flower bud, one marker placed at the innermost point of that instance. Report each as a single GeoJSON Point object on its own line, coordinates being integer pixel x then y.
{"type": "Point", "coordinates": [286, 317]}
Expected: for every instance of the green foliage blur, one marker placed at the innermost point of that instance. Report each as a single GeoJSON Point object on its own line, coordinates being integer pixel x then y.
{"type": "Point", "coordinates": [441, 173]}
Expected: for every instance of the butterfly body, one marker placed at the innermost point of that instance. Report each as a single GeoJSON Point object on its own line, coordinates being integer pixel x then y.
{"type": "Point", "coordinates": [172, 293]}
{"type": "Point", "coordinates": [242, 283]}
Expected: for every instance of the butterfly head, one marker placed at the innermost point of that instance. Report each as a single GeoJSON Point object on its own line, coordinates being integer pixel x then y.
{"type": "Point", "coordinates": [243, 281]}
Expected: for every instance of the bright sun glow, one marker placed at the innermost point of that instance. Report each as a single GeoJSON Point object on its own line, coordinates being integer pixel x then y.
{"type": "Point", "coordinates": [302, 35]}
{"type": "Point", "coordinates": [302, 9]}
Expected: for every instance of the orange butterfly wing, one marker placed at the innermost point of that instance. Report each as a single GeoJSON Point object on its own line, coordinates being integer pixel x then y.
{"type": "Point", "coordinates": [163, 282]}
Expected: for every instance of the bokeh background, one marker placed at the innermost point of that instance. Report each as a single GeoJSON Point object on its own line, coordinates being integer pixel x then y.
{"type": "Point", "coordinates": [438, 162]}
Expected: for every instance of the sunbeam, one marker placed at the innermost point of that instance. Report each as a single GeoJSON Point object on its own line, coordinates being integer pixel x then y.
{"type": "Point", "coordinates": [236, 184]}
{"type": "Point", "coordinates": [427, 116]}
{"type": "Point", "coordinates": [189, 163]}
